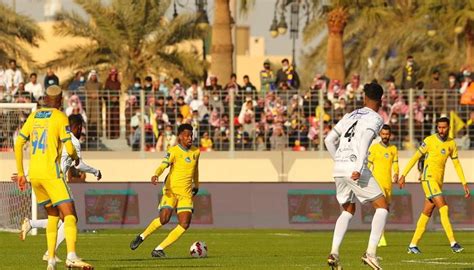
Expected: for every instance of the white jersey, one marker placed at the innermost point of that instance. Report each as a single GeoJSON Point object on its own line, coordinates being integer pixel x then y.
{"type": "Point", "coordinates": [356, 131]}
{"type": "Point", "coordinates": [67, 162]}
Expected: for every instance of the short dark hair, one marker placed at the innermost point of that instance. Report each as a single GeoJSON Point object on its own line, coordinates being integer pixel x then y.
{"type": "Point", "coordinates": [33, 74]}
{"type": "Point", "coordinates": [373, 91]}
{"type": "Point", "coordinates": [246, 77]}
{"type": "Point", "coordinates": [285, 60]}
{"type": "Point", "coordinates": [148, 78]}
{"type": "Point", "coordinates": [75, 119]}
{"type": "Point", "coordinates": [194, 81]}
{"type": "Point", "coordinates": [387, 127]}
{"type": "Point", "coordinates": [442, 120]}
{"type": "Point", "coordinates": [12, 61]}
{"type": "Point", "coordinates": [233, 75]}
{"type": "Point", "coordinates": [184, 127]}
{"type": "Point", "coordinates": [176, 81]}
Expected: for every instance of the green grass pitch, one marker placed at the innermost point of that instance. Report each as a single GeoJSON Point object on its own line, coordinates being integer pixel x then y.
{"type": "Point", "coordinates": [241, 249]}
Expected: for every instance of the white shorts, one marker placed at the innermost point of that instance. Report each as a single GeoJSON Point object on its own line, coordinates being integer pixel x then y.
{"type": "Point", "coordinates": [366, 189]}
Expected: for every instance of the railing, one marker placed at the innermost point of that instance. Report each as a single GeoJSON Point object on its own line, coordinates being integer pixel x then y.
{"type": "Point", "coordinates": [295, 120]}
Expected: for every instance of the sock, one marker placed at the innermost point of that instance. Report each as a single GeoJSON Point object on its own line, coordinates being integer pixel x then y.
{"type": "Point", "coordinates": [443, 212]}
{"type": "Point", "coordinates": [61, 234]}
{"type": "Point", "coordinates": [420, 229]}
{"type": "Point", "coordinates": [154, 225]}
{"type": "Point", "coordinates": [39, 223]}
{"type": "Point", "coordinates": [51, 234]}
{"type": "Point", "coordinates": [340, 230]}
{"type": "Point", "coordinates": [382, 240]}
{"type": "Point", "coordinates": [70, 230]}
{"type": "Point", "coordinates": [172, 237]}
{"type": "Point", "coordinates": [378, 225]}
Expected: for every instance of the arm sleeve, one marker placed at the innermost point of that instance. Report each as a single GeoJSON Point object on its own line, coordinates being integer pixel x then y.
{"type": "Point", "coordinates": [419, 153]}
{"type": "Point", "coordinates": [23, 137]}
{"type": "Point", "coordinates": [165, 163]}
{"type": "Point", "coordinates": [331, 142]}
{"type": "Point", "coordinates": [196, 173]}
{"type": "Point", "coordinates": [457, 165]}
{"type": "Point", "coordinates": [395, 166]}
{"type": "Point", "coordinates": [83, 167]}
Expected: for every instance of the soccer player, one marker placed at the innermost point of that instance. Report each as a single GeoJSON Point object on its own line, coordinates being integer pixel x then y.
{"type": "Point", "coordinates": [436, 149]}
{"type": "Point", "coordinates": [75, 122]}
{"type": "Point", "coordinates": [348, 143]}
{"type": "Point", "coordinates": [178, 190]}
{"type": "Point", "coordinates": [383, 159]}
{"type": "Point", "coordinates": [47, 129]}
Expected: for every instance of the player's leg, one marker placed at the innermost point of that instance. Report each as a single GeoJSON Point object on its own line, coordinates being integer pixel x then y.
{"type": "Point", "coordinates": [425, 215]}
{"type": "Point", "coordinates": [387, 192]}
{"type": "Point", "coordinates": [440, 203]}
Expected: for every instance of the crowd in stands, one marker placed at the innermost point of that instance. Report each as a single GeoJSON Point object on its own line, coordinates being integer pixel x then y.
{"type": "Point", "coordinates": [278, 114]}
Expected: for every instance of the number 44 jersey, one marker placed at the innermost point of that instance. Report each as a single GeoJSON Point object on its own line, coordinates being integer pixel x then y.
{"type": "Point", "coordinates": [357, 128]}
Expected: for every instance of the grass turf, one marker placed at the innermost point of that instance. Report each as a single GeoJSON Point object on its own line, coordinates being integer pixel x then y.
{"type": "Point", "coordinates": [241, 249]}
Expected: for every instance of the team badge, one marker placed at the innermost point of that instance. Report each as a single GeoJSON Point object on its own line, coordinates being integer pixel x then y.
{"type": "Point", "coordinates": [443, 151]}
{"type": "Point", "coordinates": [386, 155]}
{"type": "Point", "coordinates": [187, 159]}
{"type": "Point", "coordinates": [353, 158]}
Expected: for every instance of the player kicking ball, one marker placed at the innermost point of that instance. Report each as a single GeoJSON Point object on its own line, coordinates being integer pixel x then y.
{"type": "Point", "coordinates": [348, 143]}
{"type": "Point", "coordinates": [178, 190]}
{"type": "Point", "coordinates": [383, 159]}
{"type": "Point", "coordinates": [75, 122]}
{"type": "Point", "coordinates": [436, 149]}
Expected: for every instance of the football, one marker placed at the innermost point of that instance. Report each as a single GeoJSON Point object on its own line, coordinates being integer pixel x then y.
{"type": "Point", "coordinates": [198, 250]}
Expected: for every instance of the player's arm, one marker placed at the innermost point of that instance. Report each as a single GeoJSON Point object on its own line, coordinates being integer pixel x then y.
{"type": "Point", "coordinates": [421, 151]}
{"type": "Point", "coordinates": [22, 139]}
{"type": "Point", "coordinates": [196, 177]}
{"type": "Point", "coordinates": [83, 167]}
{"type": "Point", "coordinates": [395, 166]}
{"type": "Point", "coordinates": [65, 137]}
{"type": "Point", "coordinates": [459, 170]}
{"type": "Point", "coordinates": [165, 163]}
{"type": "Point", "coordinates": [363, 149]}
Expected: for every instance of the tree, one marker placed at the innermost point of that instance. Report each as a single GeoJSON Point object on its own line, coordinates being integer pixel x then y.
{"type": "Point", "coordinates": [222, 47]}
{"type": "Point", "coordinates": [17, 31]}
{"type": "Point", "coordinates": [132, 36]}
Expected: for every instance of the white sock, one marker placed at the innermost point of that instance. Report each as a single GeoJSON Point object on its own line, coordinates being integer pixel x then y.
{"type": "Point", "coordinates": [378, 226]}
{"type": "Point", "coordinates": [158, 248]}
{"type": "Point", "coordinates": [71, 255]}
{"type": "Point", "coordinates": [340, 230]}
{"type": "Point", "coordinates": [39, 223]}
{"type": "Point", "coordinates": [61, 234]}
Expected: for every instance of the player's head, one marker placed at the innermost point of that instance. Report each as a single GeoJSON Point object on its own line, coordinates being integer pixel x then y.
{"type": "Point", "coordinates": [54, 97]}
{"type": "Point", "coordinates": [385, 134]}
{"type": "Point", "coordinates": [373, 95]}
{"type": "Point", "coordinates": [185, 135]}
{"type": "Point", "coordinates": [442, 127]}
{"type": "Point", "coordinates": [75, 123]}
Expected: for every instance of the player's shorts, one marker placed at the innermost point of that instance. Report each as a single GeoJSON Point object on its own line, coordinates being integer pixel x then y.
{"type": "Point", "coordinates": [431, 188]}
{"type": "Point", "coordinates": [51, 191]}
{"type": "Point", "coordinates": [181, 203]}
{"type": "Point", "coordinates": [387, 192]}
{"type": "Point", "coordinates": [366, 189]}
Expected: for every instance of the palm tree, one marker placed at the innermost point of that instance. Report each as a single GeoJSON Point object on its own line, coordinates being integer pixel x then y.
{"type": "Point", "coordinates": [17, 31]}
{"type": "Point", "coordinates": [132, 36]}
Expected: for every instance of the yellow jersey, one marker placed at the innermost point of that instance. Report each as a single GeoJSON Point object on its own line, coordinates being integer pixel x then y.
{"type": "Point", "coordinates": [46, 130]}
{"type": "Point", "coordinates": [383, 160]}
{"type": "Point", "coordinates": [436, 152]}
{"type": "Point", "coordinates": [184, 170]}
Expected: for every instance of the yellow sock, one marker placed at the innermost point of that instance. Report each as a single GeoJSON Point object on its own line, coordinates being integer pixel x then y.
{"type": "Point", "coordinates": [70, 231]}
{"type": "Point", "coordinates": [154, 225]}
{"type": "Point", "coordinates": [443, 212]}
{"type": "Point", "coordinates": [382, 242]}
{"type": "Point", "coordinates": [51, 235]}
{"type": "Point", "coordinates": [420, 229]}
{"type": "Point", "coordinates": [172, 237]}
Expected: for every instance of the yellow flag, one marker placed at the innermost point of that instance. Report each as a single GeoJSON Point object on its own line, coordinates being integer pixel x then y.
{"type": "Point", "coordinates": [455, 125]}
{"type": "Point", "coordinates": [154, 125]}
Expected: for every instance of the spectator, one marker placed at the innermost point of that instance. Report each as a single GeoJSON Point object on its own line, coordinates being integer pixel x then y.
{"type": "Point", "coordinates": [216, 102]}
{"type": "Point", "coordinates": [21, 95]}
{"type": "Point", "coordinates": [248, 87]}
{"type": "Point", "coordinates": [288, 75]}
{"type": "Point", "coordinates": [194, 89]}
{"type": "Point", "coordinates": [453, 83]}
{"type": "Point", "coordinates": [335, 91]}
{"type": "Point", "coordinates": [213, 85]}
{"type": "Point", "coordinates": [297, 147]}
{"type": "Point", "coordinates": [437, 94]}
{"type": "Point", "coordinates": [50, 78]}
{"type": "Point", "coordinates": [135, 125]}
{"type": "Point", "coordinates": [205, 110]}
{"type": "Point", "coordinates": [13, 77]}
{"type": "Point", "coordinates": [112, 104]}
{"type": "Point", "coordinates": [170, 110]}
{"type": "Point", "coordinates": [354, 90]}
{"type": "Point", "coordinates": [196, 103]}
{"type": "Point", "coordinates": [267, 78]}
{"type": "Point", "coordinates": [177, 90]}
{"type": "Point", "coordinates": [75, 107]}
{"type": "Point", "coordinates": [34, 87]}
{"type": "Point", "coordinates": [247, 118]}
{"type": "Point", "coordinates": [409, 74]}
{"type": "Point", "coordinates": [467, 90]}
{"type": "Point", "coordinates": [4, 96]}
{"type": "Point", "coordinates": [148, 84]}
{"type": "Point", "coordinates": [135, 89]}
{"type": "Point", "coordinates": [78, 81]}
{"type": "Point", "coordinates": [130, 107]}
{"type": "Point", "coordinates": [206, 142]}
{"type": "Point", "coordinates": [167, 139]}
{"type": "Point", "coordinates": [184, 108]}
{"type": "Point", "coordinates": [260, 144]}
{"type": "Point", "coordinates": [94, 112]}
{"type": "Point", "coordinates": [242, 140]}
{"type": "Point", "coordinates": [163, 89]}
{"type": "Point", "coordinates": [278, 140]}
{"type": "Point", "coordinates": [2, 75]}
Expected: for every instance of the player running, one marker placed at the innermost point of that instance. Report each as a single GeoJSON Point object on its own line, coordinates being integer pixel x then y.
{"type": "Point", "coordinates": [47, 129]}
{"type": "Point", "coordinates": [436, 149]}
{"type": "Point", "coordinates": [75, 122]}
{"type": "Point", "coordinates": [348, 143]}
{"type": "Point", "coordinates": [178, 190]}
{"type": "Point", "coordinates": [383, 159]}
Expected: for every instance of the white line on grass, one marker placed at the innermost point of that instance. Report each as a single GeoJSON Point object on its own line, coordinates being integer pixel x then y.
{"type": "Point", "coordinates": [436, 261]}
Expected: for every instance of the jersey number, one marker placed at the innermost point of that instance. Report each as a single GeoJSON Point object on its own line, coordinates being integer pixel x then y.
{"type": "Point", "coordinates": [40, 144]}
{"type": "Point", "coordinates": [350, 132]}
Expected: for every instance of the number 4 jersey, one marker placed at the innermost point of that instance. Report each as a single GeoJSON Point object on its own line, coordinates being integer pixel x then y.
{"type": "Point", "coordinates": [354, 130]}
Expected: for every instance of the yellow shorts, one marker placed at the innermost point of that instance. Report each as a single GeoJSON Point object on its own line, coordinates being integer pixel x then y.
{"type": "Point", "coordinates": [181, 203]}
{"type": "Point", "coordinates": [431, 188]}
{"type": "Point", "coordinates": [51, 191]}
{"type": "Point", "coordinates": [387, 192]}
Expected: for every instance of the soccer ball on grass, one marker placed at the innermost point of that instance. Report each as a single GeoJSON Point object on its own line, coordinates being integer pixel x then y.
{"type": "Point", "coordinates": [198, 250]}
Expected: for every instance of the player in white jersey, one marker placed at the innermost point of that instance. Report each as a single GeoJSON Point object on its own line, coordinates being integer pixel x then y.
{"type": "Point", "coordinates": [75, 122]}
{"type": "Point", "coordinates": [348, 143]}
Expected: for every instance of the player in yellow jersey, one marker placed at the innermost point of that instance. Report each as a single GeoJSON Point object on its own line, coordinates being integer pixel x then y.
{"type": "Point", "coordinates": [436, 149]}
{"type": "Point", "coordinates": [178, 190]}
{"type": "Point", "coordinates": [47, 130]}
{"type": "Point", "coordinates": [383, 159]}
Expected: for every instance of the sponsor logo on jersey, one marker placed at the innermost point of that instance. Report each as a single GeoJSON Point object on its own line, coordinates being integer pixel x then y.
{"type": "Point", "coordinates": [353, 158]}
{"type": "Point", "coordinates": [386, 155]}
{"type": "Point", "coordinates": [187, 159]}
{"type": "Point", "coordinates": [43, 114]}
{"type": "Point", "coordinates": [443, 151]}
